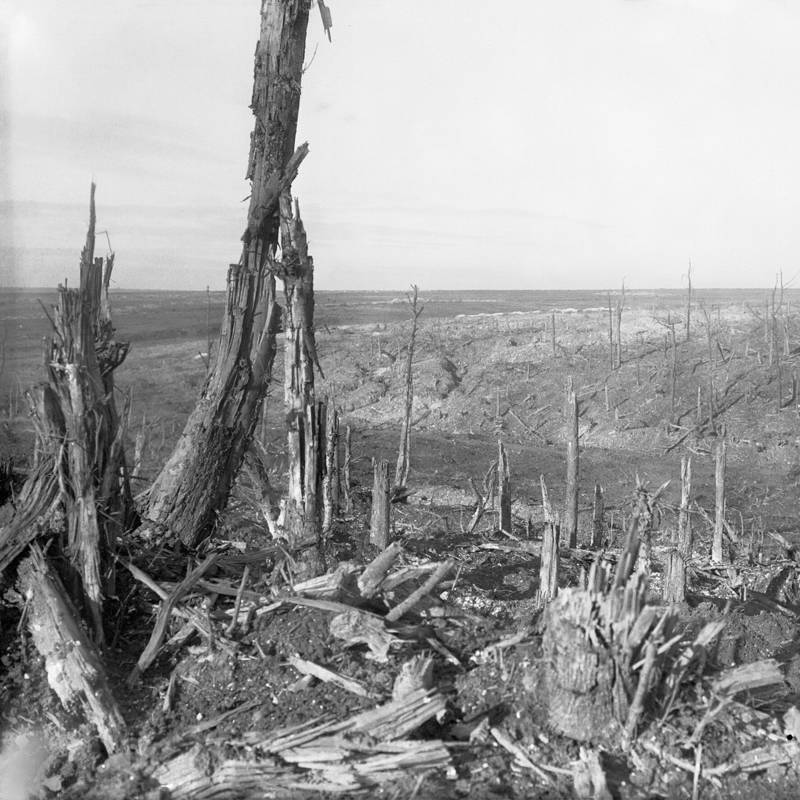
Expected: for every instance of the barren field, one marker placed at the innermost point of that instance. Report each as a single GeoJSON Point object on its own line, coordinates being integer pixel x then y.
{"type": "Point", "coordinates": [487, 367]}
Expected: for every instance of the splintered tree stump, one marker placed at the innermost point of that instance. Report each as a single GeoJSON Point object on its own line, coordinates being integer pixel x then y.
{"type": "Point", "coordinates": [595, 640]}
{"type": "Point", "coordinates": [73, 667]}
{"type": "Point", "coordinates": [675, 577]}
{"type": "Point", "coordinates": [584, 699]}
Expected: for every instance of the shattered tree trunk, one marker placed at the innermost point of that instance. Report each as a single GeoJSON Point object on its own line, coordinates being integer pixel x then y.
{"type": "Point", "coordinates": [618, 322]}
{"type": "Point", "coordinates": [83, 357]}
{"type": "Point", "coordinates": [347, 485]}
{"type": "Point", "coordinates": [194, 485]}
{"type": "Point", "coordinates": [689, 304]}
{"type": "Point", "coordinates": [719, 505]}
{"type": "Point", "coordinates": [80, 458]}
{"type": "Point", "coordinates": [548, 564]}
{"type": "Point", "coordinates": [598, 517]}
{"type": "Point", "coordinates": [304, 420]}
{"type": "Point", "coordinates": [504, 488]}
{"type": "Point", "coordinates": [681, 552]}
{"type": "Point", "coordinates": [404, 454]}
{"type": "Point", "coordinates": [379, 519]}
{"type": "Point", "coordinates": [330, 481]}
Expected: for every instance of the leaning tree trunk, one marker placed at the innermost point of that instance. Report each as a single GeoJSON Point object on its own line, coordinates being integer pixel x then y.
{"type": "Point", "coordinates": [194, 484]}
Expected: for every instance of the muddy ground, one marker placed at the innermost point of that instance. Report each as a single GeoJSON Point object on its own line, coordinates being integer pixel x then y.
{"type": "Point", "coordinates": [480, 373]}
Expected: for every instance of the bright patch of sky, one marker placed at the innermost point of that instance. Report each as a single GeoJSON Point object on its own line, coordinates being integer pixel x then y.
{"type": "Point", "coordinates": [560, 144]}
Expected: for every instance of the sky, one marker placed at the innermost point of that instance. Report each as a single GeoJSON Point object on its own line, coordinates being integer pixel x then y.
{"type": "Point", "coordinates": [453, 143]}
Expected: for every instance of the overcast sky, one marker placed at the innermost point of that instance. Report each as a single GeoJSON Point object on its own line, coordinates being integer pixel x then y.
{"type": "Point", "coordinates": [454, 143]}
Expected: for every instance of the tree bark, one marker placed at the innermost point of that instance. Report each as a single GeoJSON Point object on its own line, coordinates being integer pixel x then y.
{"type": "Point", "coordinates": [194, 485]}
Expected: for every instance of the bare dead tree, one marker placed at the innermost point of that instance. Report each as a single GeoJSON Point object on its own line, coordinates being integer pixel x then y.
{"type": "Point", "coordinates": [548, 565]}
{"type": "Point", "coordinates": [711, 359]}
{"type": "Point", "coordinates": [194, 485]}
{"type": "Point", "coordinates": [504, 488]}
{"type": "Point", "coordinates": [404, 454]}
{"type": "Point", "coordinates": [379, 519]}
{"type": "Point", "coordinates": [684, 539]}
{"type": "Point", "coordinates": [598, 517]}
{"type": "Point", "coordinates": [571, 491]}
{"type": "Point", "coordinates": [618, 321]}
{"type": "Point", "coordinates": [719, 505]}
{"type": "Point", "coordinates": [689, 302]}
{"type": "Point", "coordinates": [348, 460]}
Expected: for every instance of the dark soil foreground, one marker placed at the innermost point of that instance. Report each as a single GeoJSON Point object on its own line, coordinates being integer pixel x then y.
{"type": "Point", "coordinates": [221, 699]}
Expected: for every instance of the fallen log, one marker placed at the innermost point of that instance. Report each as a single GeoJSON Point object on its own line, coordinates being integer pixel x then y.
{"type": "Point", "coordinates": [73, 667]}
